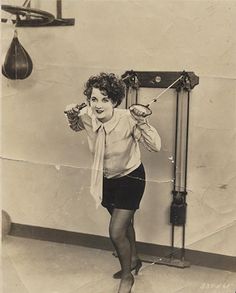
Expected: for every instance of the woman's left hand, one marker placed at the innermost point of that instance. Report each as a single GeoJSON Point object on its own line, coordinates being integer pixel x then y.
{"type": "Point", "coordinates": [138, 112]}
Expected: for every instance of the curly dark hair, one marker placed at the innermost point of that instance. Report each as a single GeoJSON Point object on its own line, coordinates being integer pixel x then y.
{"type": "Point", "coordinates": [109, 84]}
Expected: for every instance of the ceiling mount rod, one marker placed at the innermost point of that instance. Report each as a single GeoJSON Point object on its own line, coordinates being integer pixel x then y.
{"type": "Point", "coordinates": [59, 9]}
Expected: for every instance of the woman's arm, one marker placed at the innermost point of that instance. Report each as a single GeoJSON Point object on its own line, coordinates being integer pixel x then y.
{"type": "Point", "coordinates": [144, 132]}
{"type": "Point", "coordinates": [148, 136]}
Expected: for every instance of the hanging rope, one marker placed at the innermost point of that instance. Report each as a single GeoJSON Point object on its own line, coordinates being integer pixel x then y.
{"type": "Point", "coordinates": [26, 3]}
{"type": "Point", "coordinates": [155, 99]}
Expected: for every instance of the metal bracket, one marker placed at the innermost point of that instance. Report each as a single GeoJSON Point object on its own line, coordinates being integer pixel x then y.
{"type": "Point", "coordinates": [31, 17]}
{"type": "Point", "coordinates": [161, 79]}
{"type": "Point", "coordinates": [173, 262]}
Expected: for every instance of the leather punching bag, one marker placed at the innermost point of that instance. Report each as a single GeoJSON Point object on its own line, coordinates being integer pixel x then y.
{"type": "Point", "coordinates": [17, 64]}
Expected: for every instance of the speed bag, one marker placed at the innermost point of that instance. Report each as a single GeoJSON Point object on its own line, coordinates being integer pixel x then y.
{"type": "Point", "coordinates": [17, 64]}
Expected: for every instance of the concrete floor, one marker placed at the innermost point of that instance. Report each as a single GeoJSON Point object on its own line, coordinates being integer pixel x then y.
{"type": "Point", "coordinates": [33, 266]}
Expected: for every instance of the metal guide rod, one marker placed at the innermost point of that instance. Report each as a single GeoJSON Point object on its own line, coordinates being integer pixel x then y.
{"type": "Point", "coordinates": [185, 175]}
{"type": "Point", "coordinates": [186, 147]}
{"type": "Point", "coordinates": [179, 185]}
{"type": "Point", "coordinates": [180, 173]}
{"type": "Point", "coordinates": [181, 142]}
{"type": "Point", "coordinates": [176, 138]}
{"type": "Point", "coordinates": [175, 167]}
{"type": "Point", "coordinates": [178, 152]}
{"type": "Point", "coordinates": [172, 240]}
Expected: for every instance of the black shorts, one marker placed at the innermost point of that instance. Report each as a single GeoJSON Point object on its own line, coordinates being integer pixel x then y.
{"type": "Point", "coordinates": [125, 192]}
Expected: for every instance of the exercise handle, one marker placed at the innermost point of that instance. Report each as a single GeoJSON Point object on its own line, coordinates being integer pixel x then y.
{"type": "Point", "coordinates": [145, 110]}
{"type": "Point", "coordinates": [78, 106]}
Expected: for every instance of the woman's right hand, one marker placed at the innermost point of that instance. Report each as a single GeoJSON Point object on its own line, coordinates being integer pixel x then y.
{"type": "Point", "coordinates": [72, 110]}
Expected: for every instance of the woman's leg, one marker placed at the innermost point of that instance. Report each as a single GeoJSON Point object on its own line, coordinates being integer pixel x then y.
{"type": "Point", "coordinates": [120, 221]}
{"type": "Point", "coordinates": [132, 239]}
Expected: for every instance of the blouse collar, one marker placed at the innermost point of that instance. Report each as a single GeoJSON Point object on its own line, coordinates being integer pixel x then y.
{"type": "Point", "coordinates": [109, 125]}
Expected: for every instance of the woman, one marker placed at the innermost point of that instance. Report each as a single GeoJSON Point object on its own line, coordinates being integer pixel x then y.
{"type": "Point", "coordinates": [118, 176]}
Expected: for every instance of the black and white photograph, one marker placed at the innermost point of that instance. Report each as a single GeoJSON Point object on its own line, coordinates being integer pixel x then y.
{"type": "Point", "coordinates": [118, 146]}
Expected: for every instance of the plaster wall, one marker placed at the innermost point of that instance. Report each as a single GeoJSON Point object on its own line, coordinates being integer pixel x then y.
{"type": "Point", "coordinates": [46, 166]}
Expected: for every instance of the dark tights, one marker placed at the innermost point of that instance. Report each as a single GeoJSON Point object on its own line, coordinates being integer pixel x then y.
{"type": "Point", "coordinates": [122, 234]}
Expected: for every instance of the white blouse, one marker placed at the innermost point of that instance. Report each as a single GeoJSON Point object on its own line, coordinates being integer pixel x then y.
{"type": "Point", "coordinates": [123, 134]}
